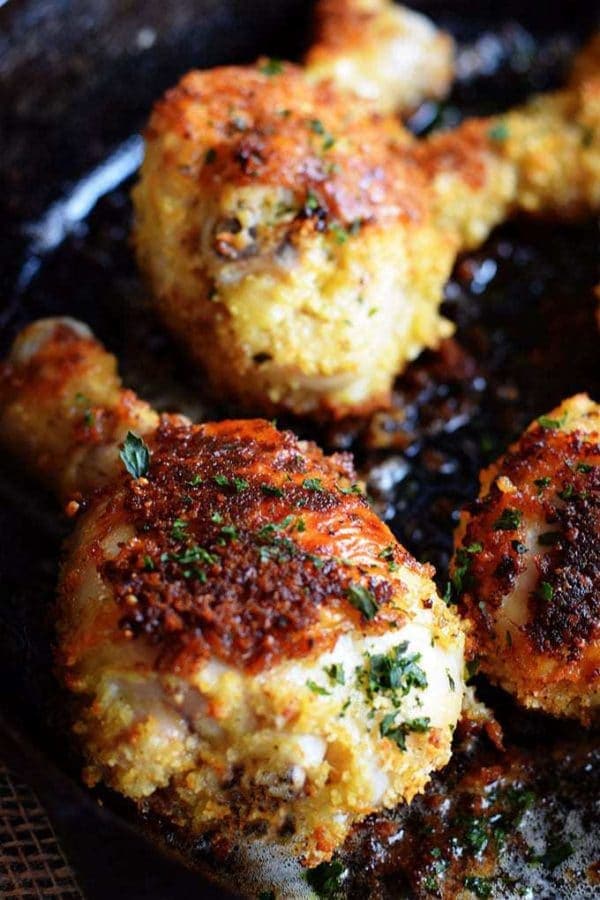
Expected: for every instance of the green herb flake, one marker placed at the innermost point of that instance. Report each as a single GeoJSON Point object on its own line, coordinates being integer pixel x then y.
{"type": "Point", "coordinates": [336, 672]}
{"type": "Point", "coordinates": [216, 517]}
{"type": "Point", "coordinates": [542, 483]}
{"type": "Point", "coordinates": [272, 67]}
{"type": "Point", "coordinates": [567, 492]}
{"type": "Point", "coordinates": [509, 520]}
{"type": "Point", "coordinates": [135, 455]}
{"type": "Point", "coordinates": [312, 201]}
{"type": "Point", "coordinates": [478, 885]}
{"type": "Point", "coordinates": [551, 424]}
{"type": "Point", "coordinates": [149, 563]}
{"type": "Point", "coordinates": [230, 532]}
{"type": "Point", "coordinates": [178, 530]}
{"type": "Point", "coordinates": [221, 480]}
{"type": "Point", "coordinates": [362, 599]}
{"type": "Point", "coordinates": [545, 591]}
{"type": "Point", "coordinates": [317, 688]}
{"type": "Point", "coordinates": [313, 484]}
{"type": "Point", "coordinates": [326, 879]}
{"type": "Point", "coordinates": [399, 732]}
{"type": "Point", "coordinates": [270, 490]}
{"type": "Point", "coordinates": [498, 132]}
{"type": "Point", "coordinates": [339, 232]}
{"type": "Point", "coordinates": [584, 467]}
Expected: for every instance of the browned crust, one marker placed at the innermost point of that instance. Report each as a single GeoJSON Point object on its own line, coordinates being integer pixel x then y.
{"type": "Point", "coordinates": [262, 591]}
{"type": "Point", "coordinates": [282, 130]}
{"type": "Point", "coordinates": [565, 616]}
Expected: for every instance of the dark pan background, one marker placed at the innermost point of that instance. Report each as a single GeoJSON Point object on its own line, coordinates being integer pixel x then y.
{"type": "Point", "coordinates": [77, 79]}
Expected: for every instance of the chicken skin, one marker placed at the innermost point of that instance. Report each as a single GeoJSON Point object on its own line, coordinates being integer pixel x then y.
{"type": "Point", "coordinates": [283, 231]}
{"type": "Point", "coordinates": [250, 650]}
{"type": "Point", "coordinates": [381, 52]}
{"type": "Point", "coordinates": [527, 567]}
{"type": "Point", "coordinates": [298, 243]}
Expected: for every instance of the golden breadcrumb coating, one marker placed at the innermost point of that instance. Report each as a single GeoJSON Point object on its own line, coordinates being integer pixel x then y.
{"type": "Point", "coordinates": [298, 243]}
{"type": "Point", "coordinates": [527, 566]}
{"type": "Point", "coordinates": [382, 52]}
{"type": "Point", "coordinates": [250, 650]}
{"type": "Point", "coordinates": [284, 231]}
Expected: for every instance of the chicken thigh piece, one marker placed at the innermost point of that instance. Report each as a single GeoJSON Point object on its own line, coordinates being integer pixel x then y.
{"type": "Point", "coordinates": [527, 566]}
{"type": "Point", "coordinates": [286, 237]}
{"type": "Point", "coordinates": [382, 52]}
{"type": "Point", "coordinates": [249, 649]}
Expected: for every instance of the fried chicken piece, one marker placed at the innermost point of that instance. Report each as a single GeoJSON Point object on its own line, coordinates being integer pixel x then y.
{"type": "Point", "coordinates": [540, 159]}
{"type": "Point", "coordinates": [286, 237]}
{"type": "Point", "coordinates": [382, 52]}
{"type": "Point", "coordinates": [527, 566]}
{"type": "Point", "coordinates": [298, 244]}
{"type": "Point", "coordinates": [250, 649]}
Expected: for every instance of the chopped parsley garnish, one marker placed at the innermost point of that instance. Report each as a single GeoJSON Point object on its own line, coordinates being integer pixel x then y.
{"type": "Point", "coordinates": [461, 578]}
{"type": "Point", "coordinates": [472, 668]}
{"type": "Point", "coordinates": [393, 674]}
{"type": "Point", "coordinates": [271, 528]}
{"type": "Point", "coordinates": [313, 484]}
{"type": "Point", "coordinates": [546, 591]}
{"type": "Point", "coordinates": [542, 482]}
{"type": "Point", "coordinates": [353, 489]}
{"type": "Point", "coordinates": [221, 480]}
{"type": "Point", "coordinates": [336, 673]}
{"type": "Point", "coordinates": [195, 481]}
{"type": "Point", "coordinates": [149, 563]}
{"type": "Point", "coordinates": [509, 520]}
{"type": "Point", "coordinates": [271, 490]}
{"type": "Point", "coordinates": [312, 201]}
{"type": "Point", "coordinates": [498, 132]}
{"type": "Point", "coordinates": [584, 467]}
{"type": "Point", "coordinates": [550, 423]}
{"type": "Point", "coordinates": [229, 531]}
{"type": "Point", "coordinates": [178, 531]}
{"type": "Point", "coordinates": [362, 599]}
{"type": "Point", "coordinates": [316, 688]}
{"type": "Point", "coordinates": [399, 732]}
{"type": "Point", "coordinates": [339, 232]}
{"type": "Point", "coordinates": [195, 554]}
{"type": "Point", "coordinates": [478, 885]}
{"type": "Point", "coordinates": [216, 517]}
{"type": "Point", "coordinates": [240, 484]}
{"type": "Point", "coordinates": [135, 455]}
{"type": "Point", "coordinates": [326, 879]}
{"type": "Point", "coordinates": [272, 67]}
{"type": "Point", "coordinates": [317, 126]}
{"type": "Point", "coordinates": [451, 681]}
{"type": "Point", "coordinates": [567, 492]}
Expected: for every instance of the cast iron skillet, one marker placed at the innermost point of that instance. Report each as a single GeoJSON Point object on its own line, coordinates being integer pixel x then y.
{"type": "Point", "coordinates": [76, 84]}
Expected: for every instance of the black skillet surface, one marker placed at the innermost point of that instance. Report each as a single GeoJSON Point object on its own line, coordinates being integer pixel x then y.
{"type": "Point", "coordinates": [76, 83]}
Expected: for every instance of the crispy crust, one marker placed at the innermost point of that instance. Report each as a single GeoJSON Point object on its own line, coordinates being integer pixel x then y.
{"type": "Point", "coordinates": [531, 546]}
{"type": "Point", "coordinates": [258, 572]}
{"type": "Point", "coordinates": [278, 133]}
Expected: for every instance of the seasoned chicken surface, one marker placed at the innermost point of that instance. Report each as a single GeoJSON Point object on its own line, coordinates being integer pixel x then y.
{"type": "Point", "coordinates": [382, 52]}
{"type": "Point", "coordinates": [527, 566]}
{"type": "Point", "coordinates": [287, 240]}
{"type": "Point", "coordinates": [250, 650]}
{"type": "Point", "coordinates": [298, 244]}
